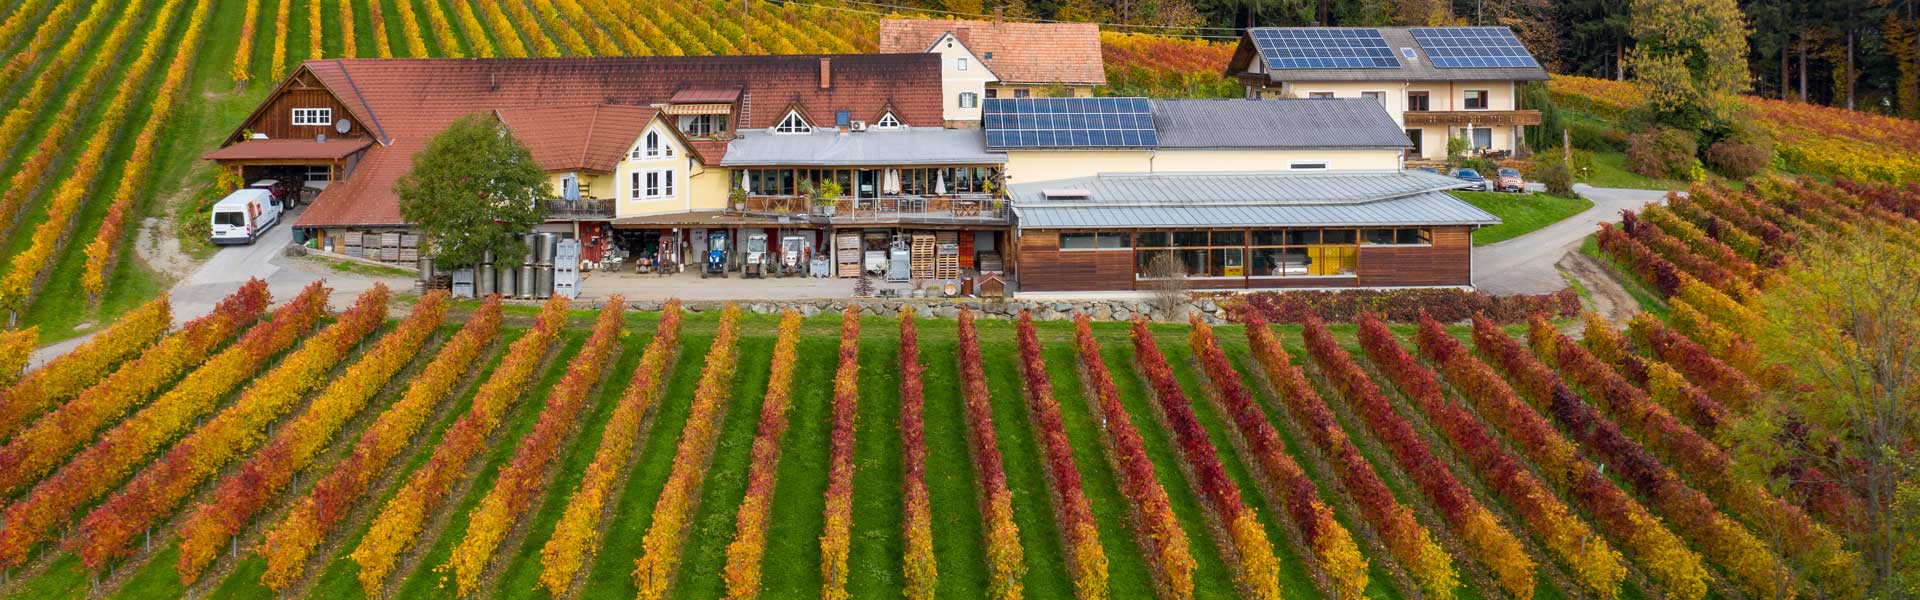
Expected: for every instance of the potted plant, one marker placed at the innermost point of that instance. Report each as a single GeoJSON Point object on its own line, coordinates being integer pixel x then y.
{"type": "Point", "coordinates": [739, 198]}
{"type": "Point", "coordinates": [827, 197]}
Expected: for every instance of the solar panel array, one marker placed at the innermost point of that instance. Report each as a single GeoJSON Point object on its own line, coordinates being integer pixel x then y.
{"type": "Point", "coordinates": [1473, 47]}
{"type": "Point", "coordinates": [1068, 123]}
{"type": "Point", "coordinates": [1323, 48]}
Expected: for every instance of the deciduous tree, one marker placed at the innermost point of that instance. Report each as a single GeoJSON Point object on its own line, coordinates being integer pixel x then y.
{"type": "Point", "coordinates": [474, 189]}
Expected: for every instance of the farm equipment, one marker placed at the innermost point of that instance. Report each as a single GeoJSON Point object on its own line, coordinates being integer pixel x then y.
{"type": "Point", "coordinates": [756, 265]}
{"type": "Point", "coordinates": [716, 255]}
{"type": "Point", "coordinates": [793, 256]}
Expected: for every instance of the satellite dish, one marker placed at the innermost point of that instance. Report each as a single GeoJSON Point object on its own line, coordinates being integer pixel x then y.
{"type": "Point", "coordinates": [342, 125]}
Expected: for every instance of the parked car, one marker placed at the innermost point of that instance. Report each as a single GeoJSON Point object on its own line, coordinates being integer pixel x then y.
{"type": "Point", "coordinates": [1509, 181]}
{"type": "Point", "coordinates": [1473, 177]}
{"type": "Point", "coordinates": [242, 216]}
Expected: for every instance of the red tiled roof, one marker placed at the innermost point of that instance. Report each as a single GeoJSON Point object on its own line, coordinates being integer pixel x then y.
{"type": "Point", "coordinates": [1016, 52]}
{"type": "Point", "coordinates": [706, 96]}
{"type": "Point", "coordinates": [578, 138]}
{"type": "Point", "coordinates": [405, 102]}
{"type": "Point", "coordinates": [290, 149]}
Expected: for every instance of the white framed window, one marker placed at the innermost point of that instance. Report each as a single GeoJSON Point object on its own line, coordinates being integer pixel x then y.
{"type": "Point", "coordinates": [653, 145]}
{"type": "Point", "coordinates": [703, 125]}
{"type": "Point", "coordinates": [1307, 166]}
{"type": "Point", "coordinates": [317, 117]}
{"type": "Point", "coordinates": [969, 100]}
{"type": "Point", "coordinates": [1476, 99]}
{"type": "Point", "coordinates": [792, 123]}
{"type": "Point", "coordinates": [963, 64]}
{"type": "Point", "coordinates": [1319, 94]}
{"type": "Point", "coordinates": [652, 185]}
{"type": "Point", "coordinates": [887, 122]}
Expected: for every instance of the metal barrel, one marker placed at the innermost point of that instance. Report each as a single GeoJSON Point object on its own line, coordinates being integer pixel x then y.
{"type": "Point", "coordinates": [524, 289]}
{"type": "Point", "coordinates": [549, 245]}
{"type": "Point", "coordinates": [485, 284]}
{"type": "Point", "coordinates": [426, 267]}
{"type": "Point", "coordinates": [532, 242]}
{"type": "Point", "coordinates": [542, 282]}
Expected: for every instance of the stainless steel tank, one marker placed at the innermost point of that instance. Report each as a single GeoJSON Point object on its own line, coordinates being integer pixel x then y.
{"type": "Point", "coordinates": [525, 287]}
{"type": "Point", "coordinates": [426, 267]}
{"type": "Point", "coordinates": [532, 242]}
{"type": "Point", "coordinates": [549, 244]}
{"type": "Point", "coordinates": [542, 282]}
{"type": "Point", "coordinates": [485, 284]}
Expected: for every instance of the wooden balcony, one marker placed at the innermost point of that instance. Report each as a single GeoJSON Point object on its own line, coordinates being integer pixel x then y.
{"type": "Point", "coordinates": [951, 209]}
{"type": "Point", "coordinates": [1475, 117]}
{"type": "Point", "coordinates": [584, 209]}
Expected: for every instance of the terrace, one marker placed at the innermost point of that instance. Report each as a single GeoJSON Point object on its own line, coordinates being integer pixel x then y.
{"type": "Point", "coordinates": [948, 209]}
{"type": "Point", "coordinates": [584, 209]}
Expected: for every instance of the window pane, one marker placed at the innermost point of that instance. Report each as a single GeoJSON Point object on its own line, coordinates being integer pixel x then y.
{"type": "Point", "coordinates": [1302, 237]}
{"type": "Point", "coordinates": [1336, 236]}
{"type": "Point", "coordinates": [1189, 239]}
{"type": "Point", "coordinates": [1225, 262]}
{"type": "Point", "coordinates": [1413, 236]}
{"type": "Point", "coordinates": [1376, 236]}
{"type": "Point", "coordinates": [1269, 262]}
{"type": "Point", "coordinates": [1076, 241]}
{"type": "Point", "coordinates": [1115, 240]}
{"type": "Point", "coordinates": [1143, 266]}
{"type": "Point", "coordinates": [1332, 260]}
{"type": "Point", "coordinates": [1229, 238]}
{"type": "Point", "coordinates": [1192, 262]}
{"type": "Point", "coordinates": [1270, 237]}
{"type": "Point", "coordinates": [1152, 239]}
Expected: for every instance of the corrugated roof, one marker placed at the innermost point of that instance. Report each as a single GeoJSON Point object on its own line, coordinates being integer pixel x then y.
{"type": "Point", "coordinates": [915, 146]}
{"type": "Point", "coordinates": [1418, 68]}
{"type": "Point", "coordinates": [1248, 200]}
{"type": "Point", "coordinates": [290, 149]}
{"type": "Point", "coordinates": [407, 101]}
{"type": "Point", "coordinates": [1288, 123]}
{"type": "Point", "coordinates": [1015, 52]}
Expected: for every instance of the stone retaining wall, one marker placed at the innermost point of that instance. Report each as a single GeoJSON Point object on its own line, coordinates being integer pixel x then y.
{"type": "Point", "coordinates": [945, 308]}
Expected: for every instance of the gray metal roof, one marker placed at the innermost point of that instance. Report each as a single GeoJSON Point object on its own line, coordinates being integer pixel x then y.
{"type": "Point", "coordinates": [828, 147]}
{"type": "Point", "coordinates": [1289, 123]}
{"type": "Point", "coordinates": [1419, 68]}
{"type": "Point", "coordinates": [1357, 199]}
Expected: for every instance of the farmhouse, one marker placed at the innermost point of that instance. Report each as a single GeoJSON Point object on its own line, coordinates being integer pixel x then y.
{"type": "Point", "coordinates": [998, 59]}
{"type": "Point", "coordinates": [1436, 82]}
{"type": "Point", "coordinates": [1224, 194]}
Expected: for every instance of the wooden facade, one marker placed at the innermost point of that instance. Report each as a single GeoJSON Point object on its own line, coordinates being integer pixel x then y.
{"type": "Point", "coordinates": [1446, 262]}
{"type": "Point", "coordinates": [274, 118]}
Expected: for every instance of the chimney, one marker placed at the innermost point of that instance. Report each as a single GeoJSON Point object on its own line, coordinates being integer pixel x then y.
{"type": "Point", "coordinates": [826, 73]}
{"type": "Point", "coordinates": [997, 15]}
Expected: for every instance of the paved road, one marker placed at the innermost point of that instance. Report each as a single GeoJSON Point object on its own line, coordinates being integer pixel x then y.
{"type": "Point", "coordinates": [1525, 265]}
{"type": "Point", "coordinates": [232, 266]}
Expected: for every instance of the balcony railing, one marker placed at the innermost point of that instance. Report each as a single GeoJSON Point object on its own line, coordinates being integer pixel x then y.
{"type": "Point", "coordinates": [951, 208]}
{"type": "Point", "coordinates": [1417, 118]}
{"type": "Point", "coordinates": [582, 209]}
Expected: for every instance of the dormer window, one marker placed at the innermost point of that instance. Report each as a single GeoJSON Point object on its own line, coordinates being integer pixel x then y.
{"type": "Point", "coordinates": [887, 122]}
{"type": "Point", "coordinates": [792, 123]}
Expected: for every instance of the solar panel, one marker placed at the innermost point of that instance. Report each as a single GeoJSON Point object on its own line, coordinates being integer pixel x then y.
{"type": "Point", "coordinates": [1068, 123]}
{"type": "Point", "coordinates": [1473, 47]}
{"type": "Point", "coordinates": [1324, 48]}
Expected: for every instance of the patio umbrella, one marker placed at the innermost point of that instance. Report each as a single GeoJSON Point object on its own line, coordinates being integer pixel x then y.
{"type": "Point", "coordinates": [744, 185]}
{"type": "Point", "coordinates": [940, 183]}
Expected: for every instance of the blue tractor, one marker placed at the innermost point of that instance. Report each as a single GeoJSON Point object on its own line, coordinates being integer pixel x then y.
{"type": "Point", "coordinates": [717, 258]}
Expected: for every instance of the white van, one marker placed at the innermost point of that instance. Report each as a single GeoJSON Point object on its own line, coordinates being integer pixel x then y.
{"type": "Point", "coordinates": [243, 215]}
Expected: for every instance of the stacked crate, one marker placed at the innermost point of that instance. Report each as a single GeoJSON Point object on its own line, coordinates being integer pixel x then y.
{"type": "Point", "coordinates": [946, 263]}
{"type": "Point", "coordinates": [847, 250]}
{"type": "Point", "coordinates": [409, 248]}
{"type": "Point", "coordinates": [922, 256]}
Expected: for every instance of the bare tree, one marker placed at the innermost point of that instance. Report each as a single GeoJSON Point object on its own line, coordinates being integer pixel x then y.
{"type": "Point", "coordinates": [1166, 284]}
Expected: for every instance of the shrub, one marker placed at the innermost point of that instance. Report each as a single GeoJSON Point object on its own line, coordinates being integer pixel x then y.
{"type": "Point", "coordinates": [921, 571]}
{"type": "Point", "coordinates": [1005, 558]}
{"type": "Point", "coordinates": [76, 372]}
{"type": "Point", "coordinates": [1072, 514]}
{"type": "Point", "coordinates": [1663, 153]}
{"type": "Point", "coordinates": [1736, 159]}
{"type": "Point", "coordinates": [1597, 137]}
{"type": "Point", "coordinates": [1399, 306]}
{"type": "Point", "coordinates": [1558, 180]}
{"type": "Point", "coordinates": [673, 511]}
{"type": "Point", "coordinates": [836, 533]}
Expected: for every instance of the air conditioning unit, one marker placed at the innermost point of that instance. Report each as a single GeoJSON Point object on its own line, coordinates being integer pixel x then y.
{"type": "Point", "coordinates": [858, 126]}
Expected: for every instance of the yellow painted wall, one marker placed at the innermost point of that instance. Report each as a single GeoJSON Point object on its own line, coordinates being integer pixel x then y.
{"type": "Point", "coordinates": [682, 166]}
{"type": "Point", "coordinates": [592, 185]}
{"type": "Point", "coordinates": [1039, 91]}
{"type": "Point", "coordinates": [1031, 166]}
{"type": "Point", "coordinates": [1441, 96]}
{"type": "Point", "coordinates": [710, 188]}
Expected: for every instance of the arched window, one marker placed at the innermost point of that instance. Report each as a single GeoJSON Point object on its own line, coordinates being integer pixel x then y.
{"type": "Point", "coordinates": [655, 147]}
{"type": "Point", "coordinates": [887, 122]}
{"type": "Point", "coordinates": [793, 124]}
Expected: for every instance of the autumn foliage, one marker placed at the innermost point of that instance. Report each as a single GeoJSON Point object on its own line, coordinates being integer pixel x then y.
{"type": "Point", "coordinates": [1237, 529]}
{"type": "Point", "coordinates": [401, 519]}
{"type": "Point", "coordinates": [1486, 540]}
{"type": "Point", "coordinates": [751, 522]}
{"type": "Point", "coordinates": [1156, 529]}
{"type": "Point", "coordinates": [1005, 559]}
{"type": "Point", "coordinates": [65, 377]}
{"type": "Point", "coordinates": [919, 565]}
{"type": "Point", "coordinates": [578, 532]}
{"type": "Point", "coordinates": [836, 535]}
{"type": "Point", "coordinates": [654, 570]}
{"type": "Point", "coordinates": [519, 483]}
{"type": "Point", "coordinates": [1071, 513]}
{"type": "Point", "coordinates": [313, 516]}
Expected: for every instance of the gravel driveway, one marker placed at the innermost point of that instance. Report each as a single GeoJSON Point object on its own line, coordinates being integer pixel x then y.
{"type": "Point", "coordinates": [1525, 265]}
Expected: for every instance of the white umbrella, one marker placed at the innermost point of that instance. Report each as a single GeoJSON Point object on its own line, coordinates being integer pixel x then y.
{"type": "Point", "coordinates": [892, 184]}
{"type": "Point", "coordinates": [940, 183]}
{"type": "Point", "coordinates": [745, 177]}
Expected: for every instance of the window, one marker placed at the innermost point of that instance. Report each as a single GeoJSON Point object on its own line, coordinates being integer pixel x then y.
{"type": "Point", "coordinates": [792, 123]}
{"type": "Point", "coordinates": [1478, 138]}
{"type": "Point", "coordinates": [1416, 136]}
{"type": "Point", "coordinates": [1307, 166]}
{"type": "Point", "coordinates": [993, 92]}
{"type": "Point", "coordinates": [317, 117]}
{"type": "Point", "coordinates": [1407, 52]}
{"type": "Point", "coordinates": [1302, 253]}
{"type": "Point", "coordinates": [1417, 102]}
{"type": "Point", "coordinates": [649, 185]}
{"type": "Point", "coordinates": [230, 219]}
{"type": "Point", "coordinates": [1319, 94]}
{"type": "Point", "coordinates": [318, 173]}
{"type": "Point", "coordinates": [962, 64]}
{"type": "Point", "coordinates": [704, 125]}
{"type": "Point", "coordinates": [1103, 240]}
{"type": "Point", "coordinates": [969, 100]}
{"type": "Point", "coordinates": [1022, 92]}
{"type": "Point", "coordinates": [887, 122]}
{"type": "Point", "coordinates": [652, 145]}
{"type": "Point", "coordinates": [1476, 100]}
{"type": "Point", "coordinates": [842, 119]}
{"type": "Point", "coordinates": [1380, 97]}
{"type": "Point", "coordinates": [1405, 236]}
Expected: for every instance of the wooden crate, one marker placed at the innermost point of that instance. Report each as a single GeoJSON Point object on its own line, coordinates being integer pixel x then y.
{"type": "Point", "coordinates": [390, 254]}
{"type": "Point", "coordinates": [352, 238]}
{"type": "Point", "coordinates": [390, 239]}
{"type": "Point", "coordinates": [922, 255]}
{"type": "Point", "coordinates": [848, 254]}
{"type": "Point", "coordinates": [409, 254]}
{"type": "Point", "coordinates": [409, 240]}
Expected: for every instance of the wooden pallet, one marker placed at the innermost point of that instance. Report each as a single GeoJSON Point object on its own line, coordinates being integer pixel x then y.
{"type": "Point", "coordinates": [848, 252]}
{"type": "Point", "coordinates": [923, 255]}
